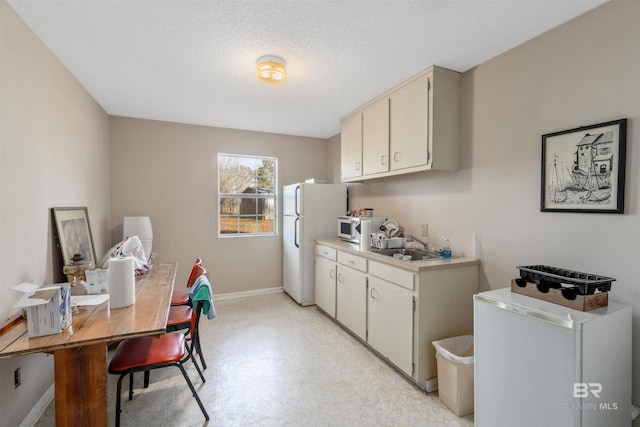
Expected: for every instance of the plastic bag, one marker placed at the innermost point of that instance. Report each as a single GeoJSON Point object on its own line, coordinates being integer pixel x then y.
{"type": "Point", "coordinates": [457, 349]}
{"type": "Point", "coordinates": [130, 246]}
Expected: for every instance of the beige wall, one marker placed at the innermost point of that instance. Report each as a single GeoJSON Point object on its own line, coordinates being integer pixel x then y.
{"type": "Point", "coordinates": [54, 151]}
{"type": "Point", "coordinates": [584, 72]}
{"type": "Point", "coordinates": [168, 171]}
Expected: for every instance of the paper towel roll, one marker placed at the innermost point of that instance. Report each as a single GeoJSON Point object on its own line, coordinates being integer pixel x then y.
{"type": "Point", "coordinates": [122, 282]}
{"type": "Point", "coordinates": [365, 235]}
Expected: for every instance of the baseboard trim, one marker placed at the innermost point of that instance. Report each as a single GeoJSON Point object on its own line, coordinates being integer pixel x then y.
{"type": "Point", "coordinates": [38, 409]}
{"type": "Point", "coordinates": [243, 294]}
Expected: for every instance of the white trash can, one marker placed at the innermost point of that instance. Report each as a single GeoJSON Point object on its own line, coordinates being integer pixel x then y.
{"type": "Point", "coordinates": [455, 373]}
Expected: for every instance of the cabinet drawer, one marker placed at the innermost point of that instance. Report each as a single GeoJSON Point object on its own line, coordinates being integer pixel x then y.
{"type": "Point", "coordinates": [395, 275]}
{"type": "Point", "coordinates": [326, 252]}
{"type": "Point", "coordinates": [352, 261]}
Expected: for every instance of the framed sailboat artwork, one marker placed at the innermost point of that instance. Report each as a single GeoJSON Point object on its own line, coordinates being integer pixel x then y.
{"type": "Point", "coordinates": [583, 169]}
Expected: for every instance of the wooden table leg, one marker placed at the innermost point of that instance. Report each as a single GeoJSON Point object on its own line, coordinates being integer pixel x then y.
{"type": "Point", "coordinates": [81, 386]}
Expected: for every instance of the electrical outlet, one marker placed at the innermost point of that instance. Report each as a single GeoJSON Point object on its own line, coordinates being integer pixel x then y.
{"type": "Point", "coordinates": [16, 378]}
{"type": "Point", "coordinates": [425, 230]}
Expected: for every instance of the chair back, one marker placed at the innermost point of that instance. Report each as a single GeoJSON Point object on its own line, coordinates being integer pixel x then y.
{"type": "Point", "coordinates": [196, 272]}
{"type": "Point", "coordinates": [202, 296]}
{"type": "Point", "coordinates": [195, 320]}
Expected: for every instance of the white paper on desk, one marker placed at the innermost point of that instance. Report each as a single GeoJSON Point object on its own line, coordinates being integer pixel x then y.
{"type": "Point", "coordinates": [81, 300]}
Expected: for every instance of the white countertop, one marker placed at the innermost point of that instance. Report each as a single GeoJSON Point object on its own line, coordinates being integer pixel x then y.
{"type": "Point", "coordinates": [415, 266]}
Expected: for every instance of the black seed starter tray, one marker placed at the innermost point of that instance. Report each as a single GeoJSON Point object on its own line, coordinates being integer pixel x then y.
{"type": "Point", "coordinates": [553, 277]}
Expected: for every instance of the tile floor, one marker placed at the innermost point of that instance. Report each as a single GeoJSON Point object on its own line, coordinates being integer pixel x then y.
{"type": "Point", "coordinates": [272, 362]}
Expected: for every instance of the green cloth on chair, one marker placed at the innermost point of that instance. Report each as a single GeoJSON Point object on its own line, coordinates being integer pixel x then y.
{"type": "Point", "coordinates": [201, 291]}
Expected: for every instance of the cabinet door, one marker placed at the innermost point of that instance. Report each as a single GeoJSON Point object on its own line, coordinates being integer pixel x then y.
{"type": "Point", "coordinates": [390, 322]}
{"type": "Point", "coordinates": [351, 147]}
{"type": "Point", "coordinates": [375, 138]}
{"type": "Point", "coordinates": [409, 125]}
{"type": "Point", "coordinates": [325, 283]}
{"type": "Point", "coordinates": [352, 300]}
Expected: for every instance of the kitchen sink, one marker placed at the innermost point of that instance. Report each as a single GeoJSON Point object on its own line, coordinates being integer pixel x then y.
{"type": "Point", "coordinates": [416, 254]}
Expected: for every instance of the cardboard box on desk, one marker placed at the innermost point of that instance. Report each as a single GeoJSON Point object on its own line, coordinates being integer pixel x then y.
{"type": "Point", "coordinates": [97, 281]}
{"type": "Point", "coordinates": [48, 308]}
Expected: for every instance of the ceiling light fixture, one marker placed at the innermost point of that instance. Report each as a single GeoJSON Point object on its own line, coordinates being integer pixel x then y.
{"type": "Point", "coordinates": [272, 69]}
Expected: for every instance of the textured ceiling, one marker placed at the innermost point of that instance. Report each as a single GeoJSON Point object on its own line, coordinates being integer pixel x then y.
{"type": "Point", "coordinates": [194, 61]}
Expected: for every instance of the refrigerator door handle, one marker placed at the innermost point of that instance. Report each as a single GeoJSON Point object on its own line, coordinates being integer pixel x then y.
{"type": "Point", "coordinates": [297, 201]}
{"type": "Point", "coordinates": [295, 232]}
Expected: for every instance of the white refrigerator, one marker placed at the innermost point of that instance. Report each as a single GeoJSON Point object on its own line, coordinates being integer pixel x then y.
{"type": "Point", "coordinates": [310, 212]}
{"type": "Point", "coordinates": [542, 364]}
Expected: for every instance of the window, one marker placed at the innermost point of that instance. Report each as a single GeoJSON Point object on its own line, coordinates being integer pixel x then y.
{"type": "Point", "coordinates": [246, 195]}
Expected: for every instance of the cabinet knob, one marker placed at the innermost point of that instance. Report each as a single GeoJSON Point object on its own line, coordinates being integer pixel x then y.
{"type": "Point", "coordinates": [396, 156]}
{"type": "Point", "coordinates": [383, 160]}
{"type": "Point", "coordinates": [332, 274]}
{"type": "Point", "coordinates": [340, 277]}
{"type": "Point", "coordinates": [357, 166]}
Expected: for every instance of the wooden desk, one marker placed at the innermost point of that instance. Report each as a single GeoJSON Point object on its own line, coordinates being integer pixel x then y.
{"type": "Point", "coordinates": [80, 351]}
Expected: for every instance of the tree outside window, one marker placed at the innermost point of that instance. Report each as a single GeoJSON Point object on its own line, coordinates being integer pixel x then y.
{"type": "Point", "coordinates": [246, 195]}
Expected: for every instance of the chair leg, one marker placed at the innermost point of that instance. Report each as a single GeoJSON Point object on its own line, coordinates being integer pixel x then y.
{"type": "Point", "coordinates": [199, 350]}
{"type": "Point", "coordinates": [193, 391]}
{"type": "Point", "coordinates": [204, 364]}
{"type": "Point", "coordinates": [130, 385]}
{"type": "Point", "coordinates": [147, 374]}
{"type": "Point", "coordinates": [118, 399]}
{"type": "Point", "coordinates": [193, 359]}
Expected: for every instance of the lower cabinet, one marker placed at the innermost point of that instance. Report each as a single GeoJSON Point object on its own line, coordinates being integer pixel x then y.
{"type": "Point", "coordinates": [325, 282]}
{"type": "Point", "coordinates": [396, 311]}
{"type": "Point", "coordinates": [352, 300]}
{"type": "Point", "coordinates": [390, 322]}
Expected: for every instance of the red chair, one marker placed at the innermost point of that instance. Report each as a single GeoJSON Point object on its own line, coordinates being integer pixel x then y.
{"type": "Point", "coordinates": [182, 297]}
{"type": "Point", "coordinates": [147, 353]}
{"type": "Point", "coordinates": [180, 319]}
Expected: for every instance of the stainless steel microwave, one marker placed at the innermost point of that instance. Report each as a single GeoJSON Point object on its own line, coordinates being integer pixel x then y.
{"type": "Point", "coordinates": [349, 226]}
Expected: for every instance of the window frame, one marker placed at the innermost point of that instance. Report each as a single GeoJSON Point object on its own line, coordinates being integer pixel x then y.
{"type": "Point", "coordinates": [273, 196]}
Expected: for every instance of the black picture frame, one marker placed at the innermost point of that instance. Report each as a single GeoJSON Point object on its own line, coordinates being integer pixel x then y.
{"type": "Point", "coordinates": [583, 169]}
{"type": "Point", "coordinates": [73, 233]}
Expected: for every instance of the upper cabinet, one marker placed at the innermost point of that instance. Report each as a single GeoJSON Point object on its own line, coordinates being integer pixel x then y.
{"type": "Point", "coordinates": [351, 147]}
{"type": "Point", "coordinates": [409, 131]}
{"type": "Point", "coordinates": [375, 130]}
{"type": "Point", "coordinates": [413, 127]}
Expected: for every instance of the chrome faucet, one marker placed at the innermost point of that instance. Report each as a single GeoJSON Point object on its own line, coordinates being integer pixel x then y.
{"type": "Point", "coordinates": [426, 245]}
